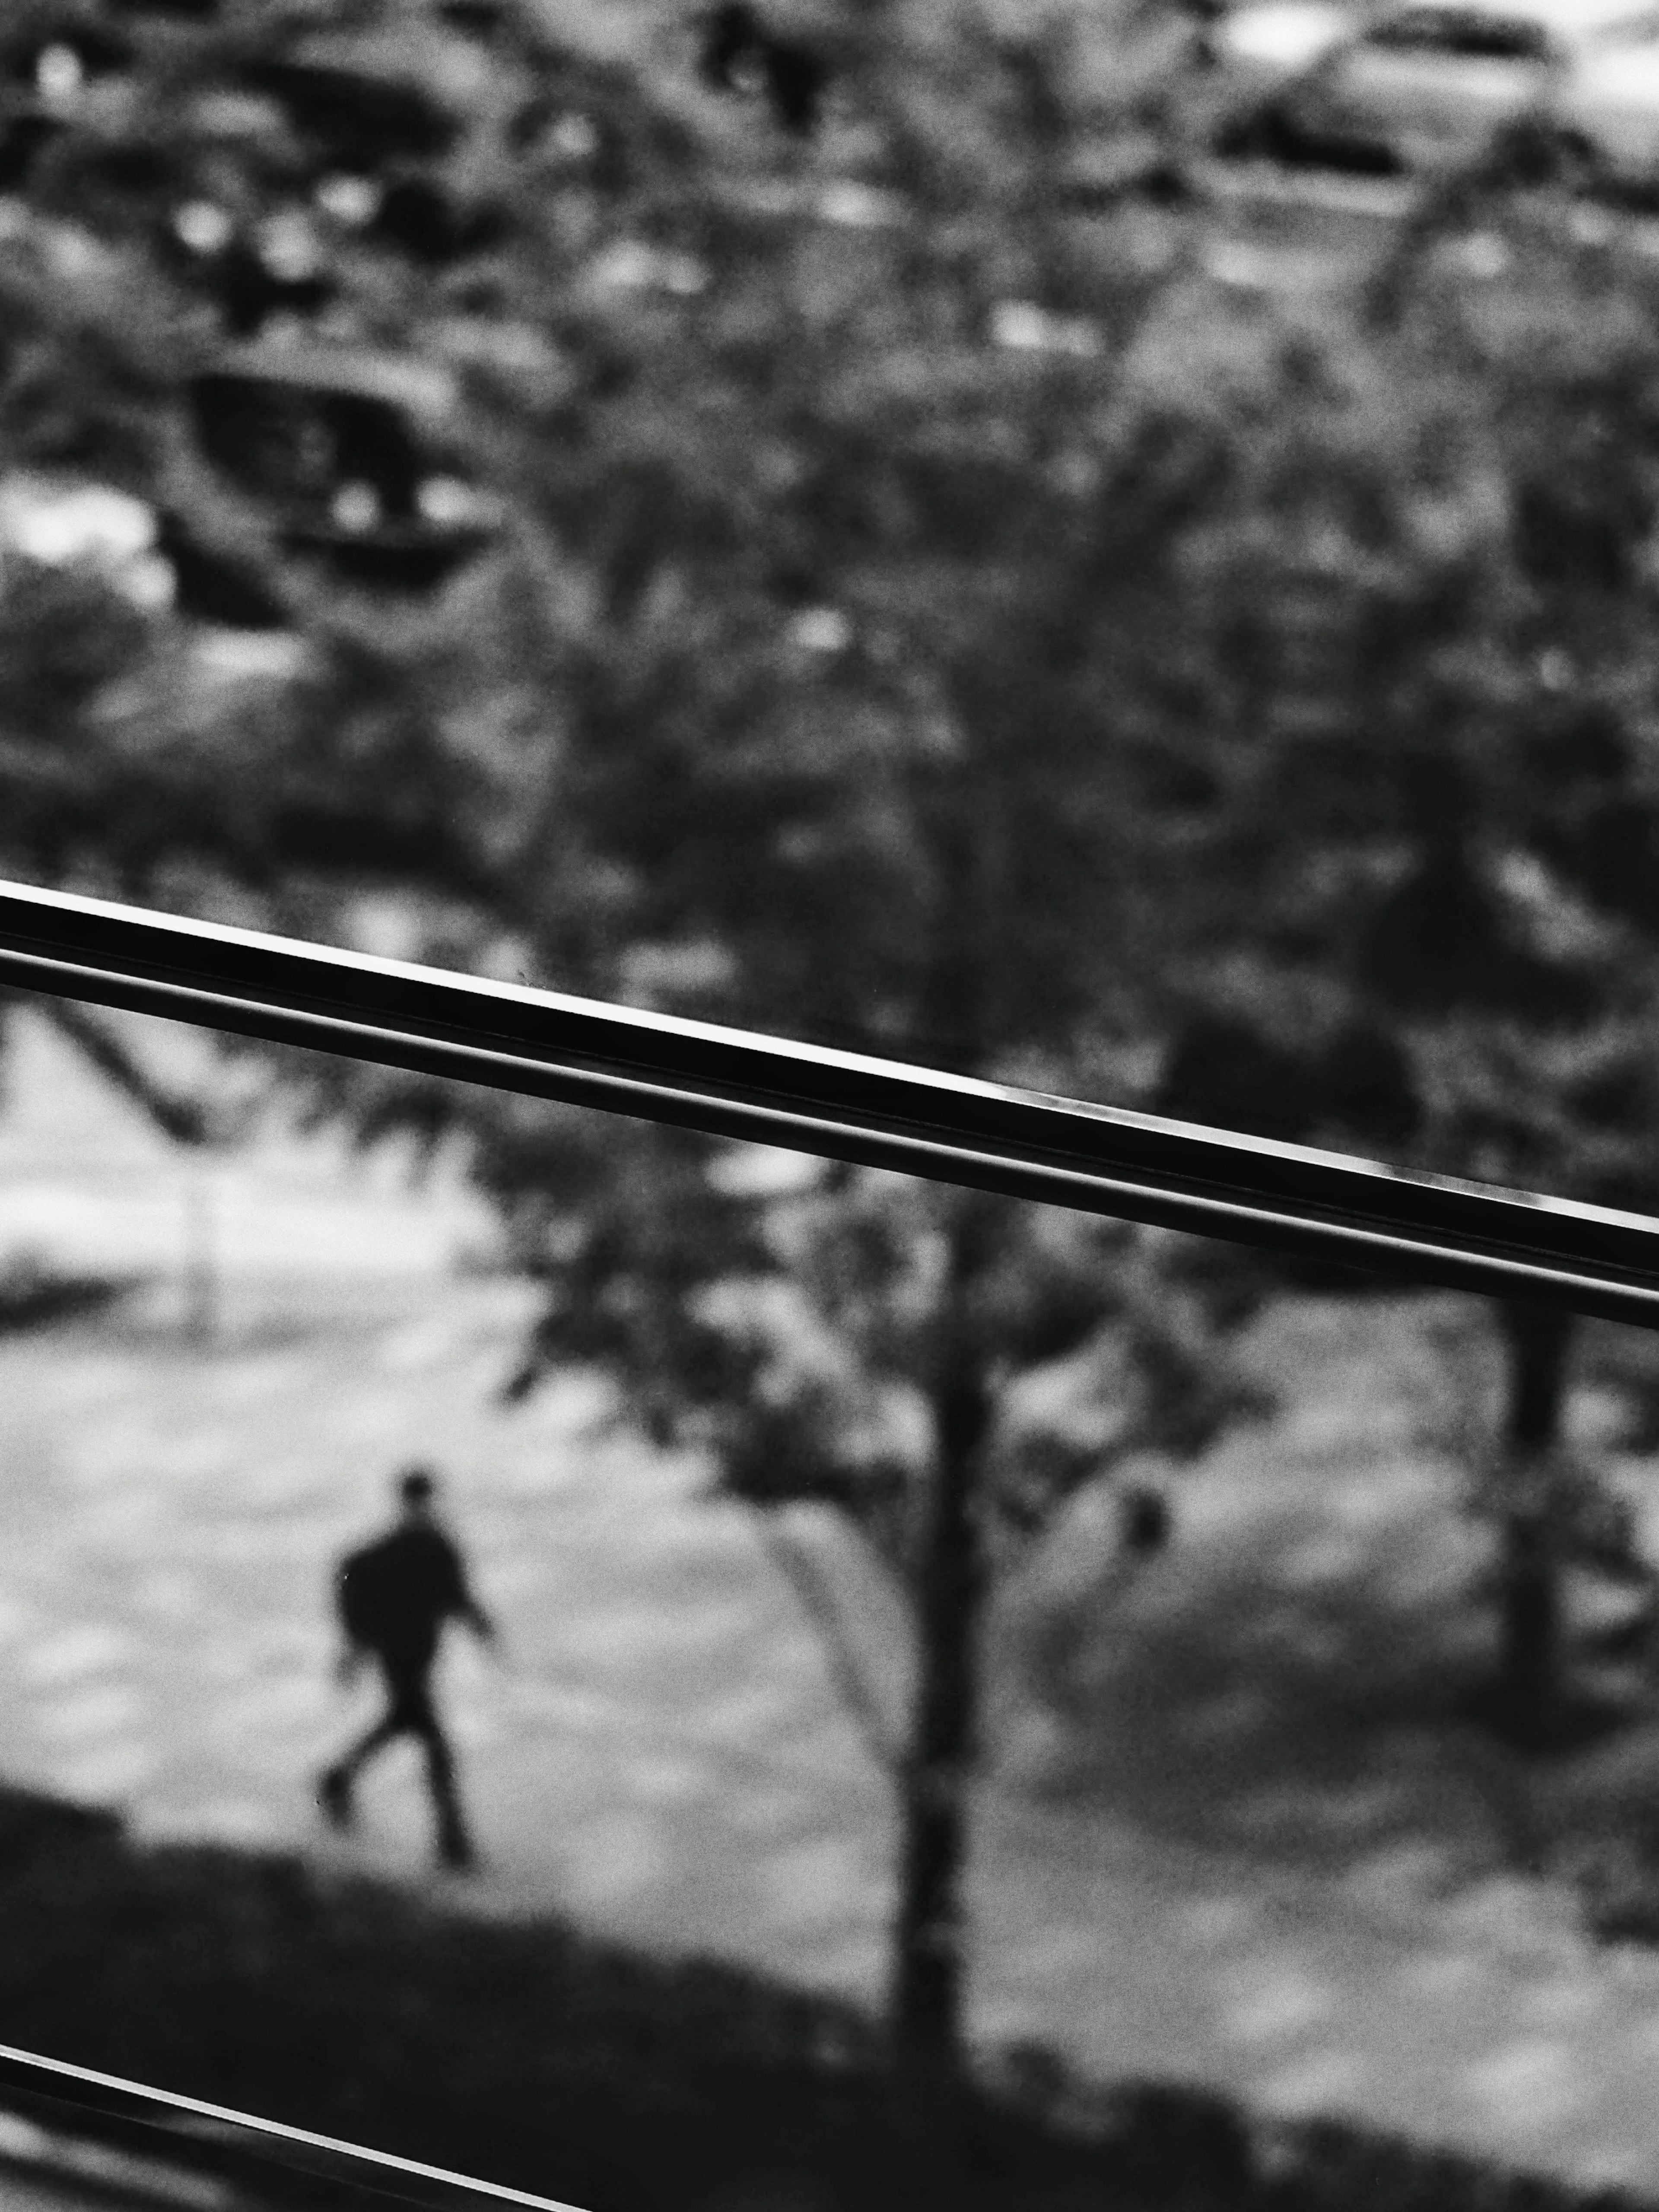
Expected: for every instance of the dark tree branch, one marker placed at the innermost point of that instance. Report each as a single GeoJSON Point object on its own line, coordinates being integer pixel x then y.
{"type": "Point", "coordinates": [846, 1676]}
{"type": "Point", "coordinates": [185, 1121]}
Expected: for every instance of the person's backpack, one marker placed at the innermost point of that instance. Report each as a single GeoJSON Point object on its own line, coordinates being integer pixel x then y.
{"type": "Point", "coordinates": [360, 1597]}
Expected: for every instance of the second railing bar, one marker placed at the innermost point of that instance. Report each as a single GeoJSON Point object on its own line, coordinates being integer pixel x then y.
{"type": "Point", "coordinates": [840, 1105]}
{"type": "Point", "coordinates": [277, 2164]}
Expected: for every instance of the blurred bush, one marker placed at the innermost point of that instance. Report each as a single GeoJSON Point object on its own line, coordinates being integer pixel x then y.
{"type": "Point", "coordinates": [543, 2059]}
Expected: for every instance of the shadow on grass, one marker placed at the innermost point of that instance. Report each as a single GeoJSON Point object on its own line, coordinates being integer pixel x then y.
{"type": "Point", "coordinates": [1307, 1678]}
{"type": "Point", "coordinates": [1314, 1731]}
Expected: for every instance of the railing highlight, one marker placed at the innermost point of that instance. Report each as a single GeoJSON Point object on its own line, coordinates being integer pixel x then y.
{"type": "Point", "coordinates": [883, 1113]}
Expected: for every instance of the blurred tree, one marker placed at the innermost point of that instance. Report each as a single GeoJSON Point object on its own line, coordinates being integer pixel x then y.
{"type": "Point", "coordinates": [1422, 679]}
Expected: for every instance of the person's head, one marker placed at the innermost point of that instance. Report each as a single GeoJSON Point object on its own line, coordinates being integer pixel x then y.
{"type": "Point", "coordinates": [417, 1487]}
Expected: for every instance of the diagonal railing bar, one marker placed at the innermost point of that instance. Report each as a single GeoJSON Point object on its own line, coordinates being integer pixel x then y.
{"type": "Point", "coordinates": [839, 1105]}
{"type": "Point", "coordinates": [279, 2165]}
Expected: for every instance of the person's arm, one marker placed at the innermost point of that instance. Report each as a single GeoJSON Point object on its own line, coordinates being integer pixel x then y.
{"type": "Point", "coordinates": [466, 1606]}
{"type": "Point", "coordinates": [484, 1628]}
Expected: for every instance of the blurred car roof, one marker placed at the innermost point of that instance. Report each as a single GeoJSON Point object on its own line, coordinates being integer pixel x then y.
{"type": "Point", "coordinates": [444, 64]}
{"type": "Point", "coordinates": [1289, 36]}
{"type": "Point", "coordinates": [402, 381]}
{"type": "Point", "coordinates": [1572, 21]}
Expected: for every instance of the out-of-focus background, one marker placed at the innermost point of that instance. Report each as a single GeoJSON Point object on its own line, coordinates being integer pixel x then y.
{"type": "Point", "coordinates": [1108, 546]}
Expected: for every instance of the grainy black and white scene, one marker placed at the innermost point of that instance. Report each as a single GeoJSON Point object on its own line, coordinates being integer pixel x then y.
{"type": "Point", "coordinates": [1108, 546]}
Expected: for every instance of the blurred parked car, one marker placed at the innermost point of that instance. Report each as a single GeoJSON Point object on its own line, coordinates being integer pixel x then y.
{"type": "Point", "coordinates": [1419, 84]}
{"type": "Point", "coordinates": [344, 450]}
{"type": "Point", "coordinates": [366, 101]}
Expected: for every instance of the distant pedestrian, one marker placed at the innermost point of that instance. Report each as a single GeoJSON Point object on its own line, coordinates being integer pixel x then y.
{"type": "Point", "coordinates": [1119, 1532]}
{"type": "Point", "coordinates": [393, 1598]}
{"type": "Point", "coordinates": [1144, 1521]}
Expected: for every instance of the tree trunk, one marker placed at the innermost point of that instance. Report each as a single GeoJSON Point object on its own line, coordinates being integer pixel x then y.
{"type": "Point", "coordinates": [1538, 1340]}
{"type": "Point", "coordinates": [965, 1007]}
{"type": "Point", "coordinates": [929, 1963]}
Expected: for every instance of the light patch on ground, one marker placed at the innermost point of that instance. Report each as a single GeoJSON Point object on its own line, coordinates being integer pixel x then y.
{"type": "Point", "coordinates": [613, 1859]}
{"type": "Point", "coordinates": [1280, 2006]}
{"type": "Point", "coordinates": [69, 1655]}
{"type": "Point", "coordinates": [108, 1775]}
{"type": "Point", "coordinates": [109, 1710]}
{"type": "Point", "coordinates": [1326, 2081]}
{"type": "Point", "coordinates": [1534, 2084]}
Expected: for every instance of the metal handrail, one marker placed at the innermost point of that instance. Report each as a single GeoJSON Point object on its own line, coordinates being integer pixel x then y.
{"type": "Point", "coordinates": [242, 2152]}
{"type": "Point", "coordinates": [840, 1105]}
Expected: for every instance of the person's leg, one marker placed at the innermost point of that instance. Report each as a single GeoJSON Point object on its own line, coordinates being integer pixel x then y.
{"type": "Point", "coordinates": [334, 1790]}
{"type": "Point", "coordinates": [454, 1843]}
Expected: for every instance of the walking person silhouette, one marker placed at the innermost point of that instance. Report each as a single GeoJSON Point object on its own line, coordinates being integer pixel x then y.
{"type": "Point", "coordinates": [393, 1598]}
